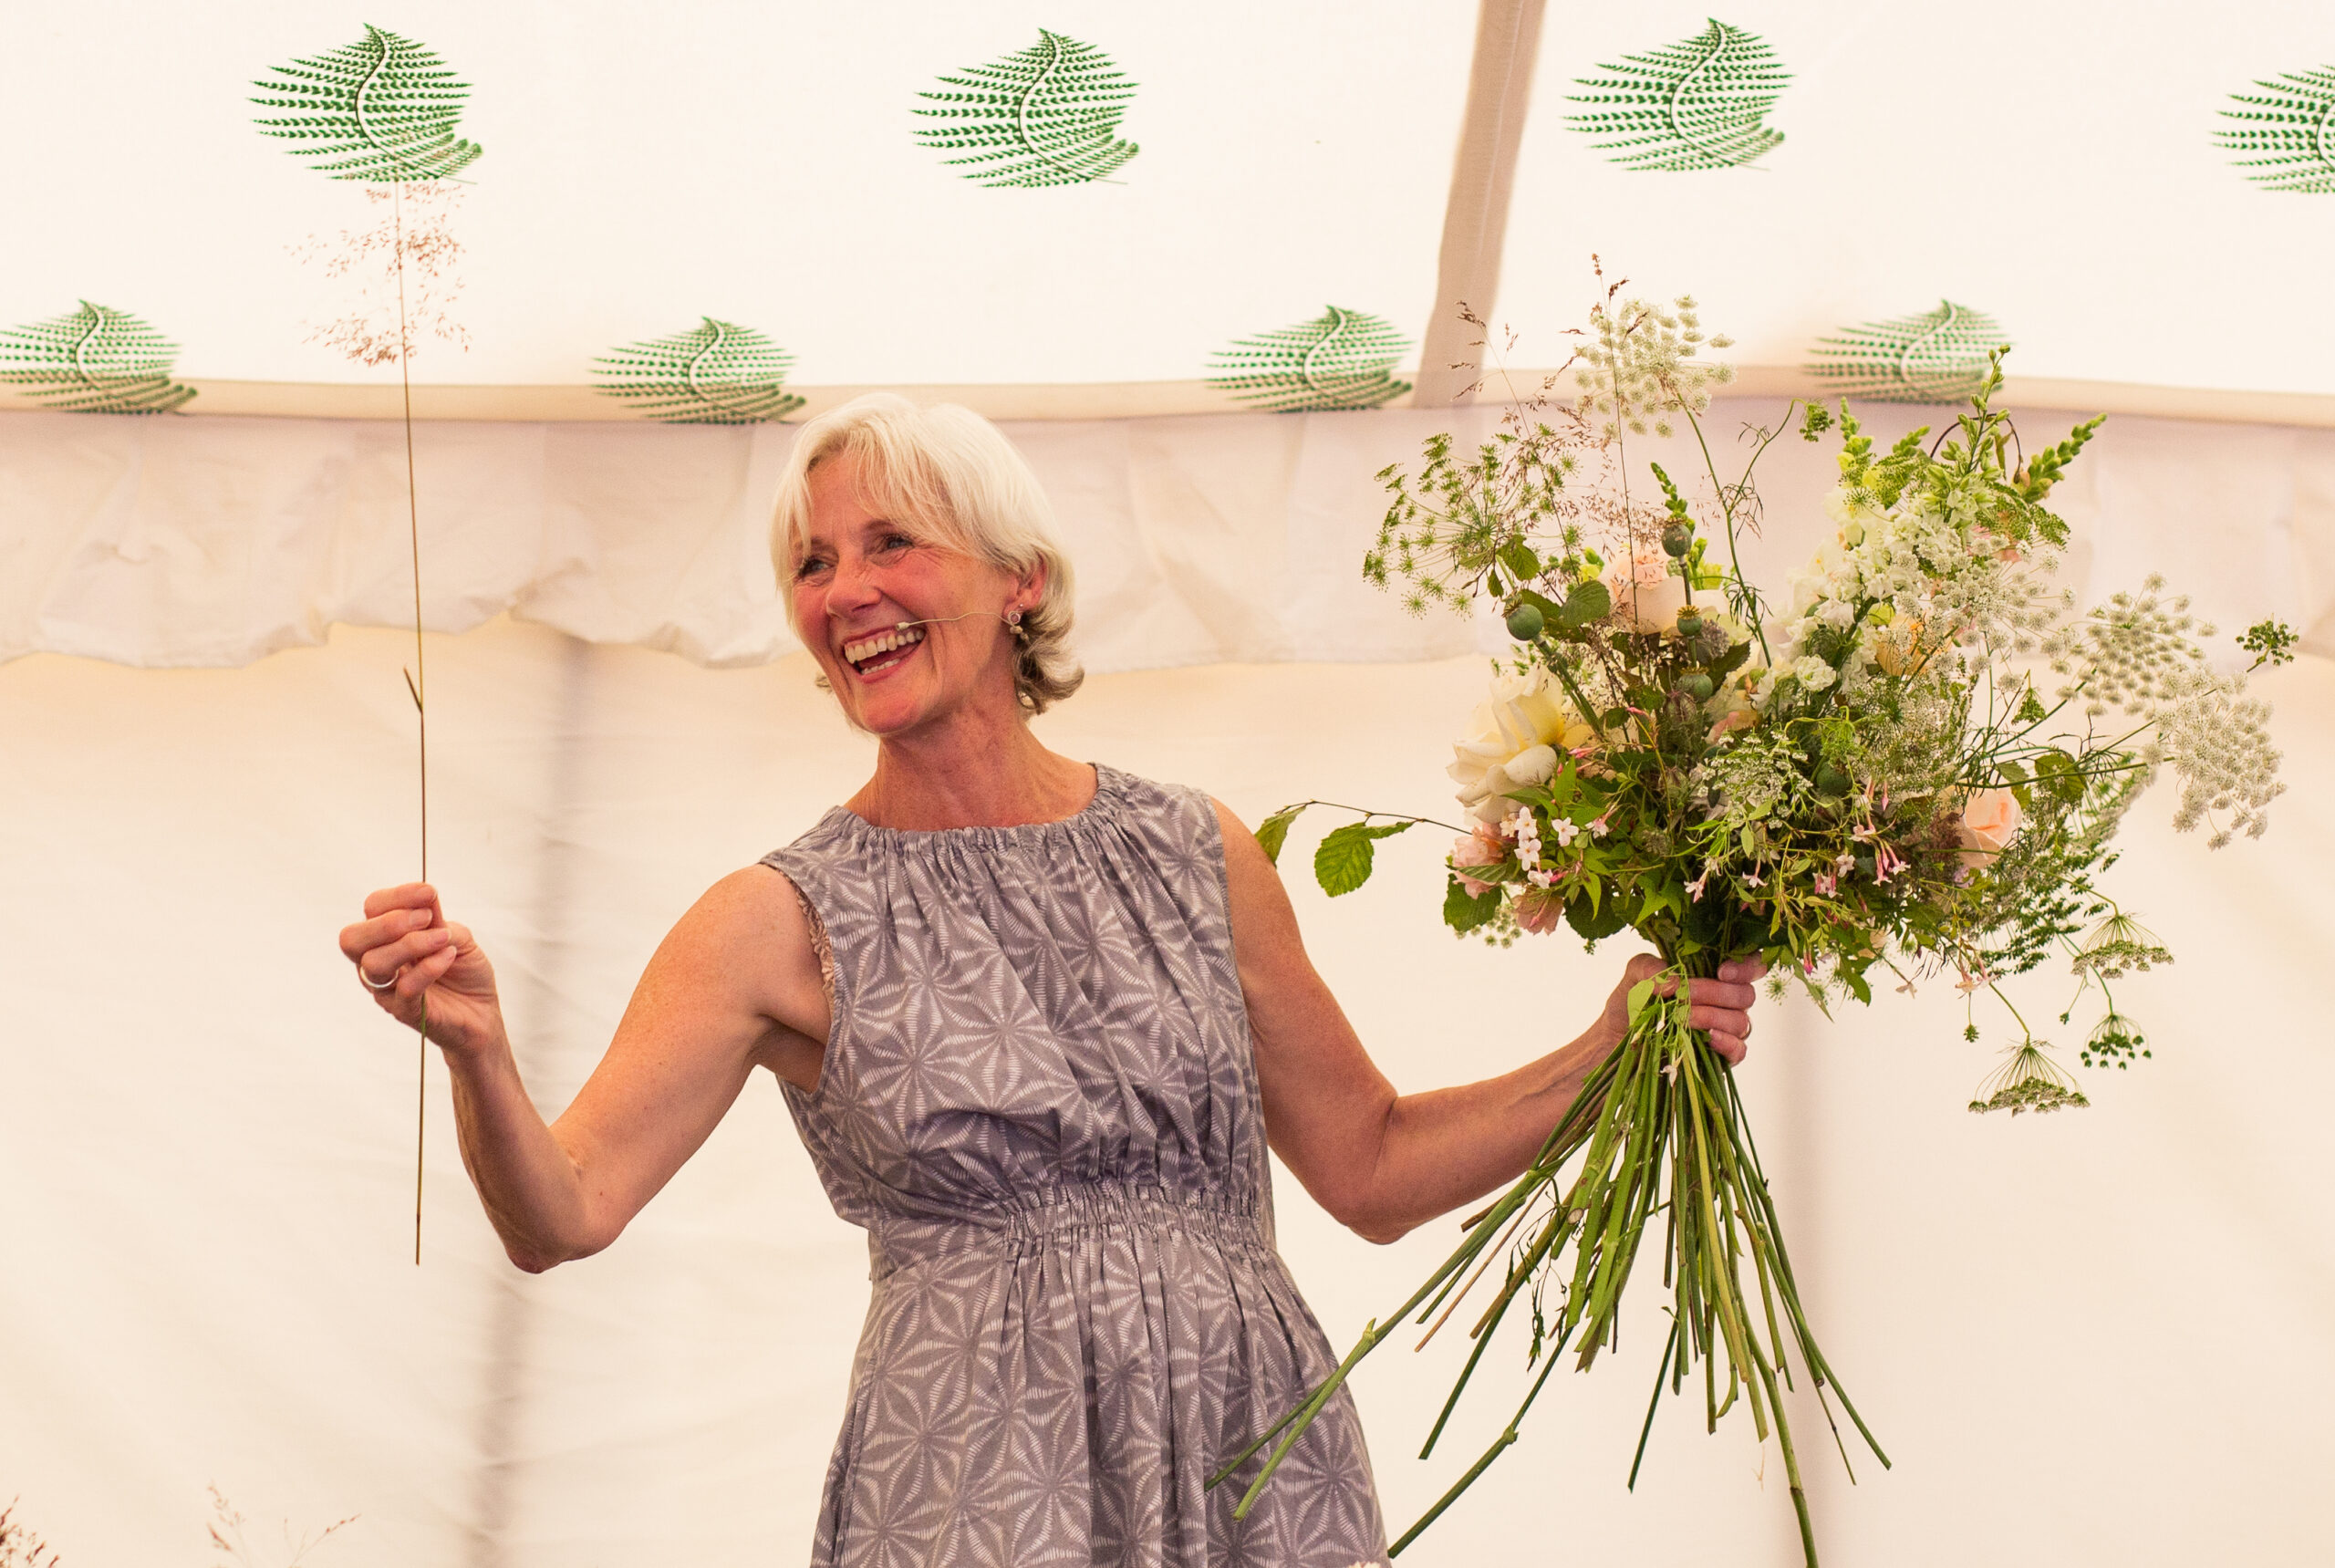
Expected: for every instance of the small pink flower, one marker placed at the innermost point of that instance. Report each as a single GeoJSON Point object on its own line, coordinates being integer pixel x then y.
{"type": "Point", "coordinates": [1481, 848]}
{"type": "Point", "coordinates": [1694, 888]}
{"type": "Point", "coordinates": [1827, 883]}
{"type": "Point", "coordinates": [1887, 861]}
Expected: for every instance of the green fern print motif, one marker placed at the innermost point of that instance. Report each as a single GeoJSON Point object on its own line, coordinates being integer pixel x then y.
{"type": "Point", "coordinates": [717, 374]}
{"type": "Point", "coordinates": [381, 110]}
{"type": "Point", "coordinates": [94, 360]}
{"type": "Point", "coordinates": [1937, 357]}
{"type": "Point", "coordinates": [1697, 104]}
{"type": "Point", "coordinates": [2289, 135]}
{"type": "Point", "coordinates": [1338, 360]}
{"type": "Point", "coordinates": [1047, 116]}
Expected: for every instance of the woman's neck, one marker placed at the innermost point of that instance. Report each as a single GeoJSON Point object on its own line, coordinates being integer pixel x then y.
{"type": "Point", "coordinates": [971, 774]}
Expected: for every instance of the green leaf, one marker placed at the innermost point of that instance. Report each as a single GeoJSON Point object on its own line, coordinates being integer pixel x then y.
{"type": "Point", "coordinates": [1464, 912]}
{"type": "Point", "coordinates": [1517, 557]}
{"type": "Point", "coordinates": [1047, 116]}
{"type": "Point", "coordinates": [1273, 832]}
{"type": "Point", "coordinates": [1695, 104]}
{"type": "Point", "coordinates": [94, 360]}
{"type": "Point", "coordinates": [718, 373]}
{"type": "Point", "coordinates": [381, 110]}
{"type": "Point", "coordinates": [2290, 133]}
{"type": "Point", "coordinates": [1937, 356]}
{"type": "Point", "coordinates": [1587, 602]}
{"type": "Point", "coordinates": [1640, 995]}
{"type": "Point", "coordinates": [1343, 861]}
{"type": "Point", "coordinates": [1582, 915]}
{"type": "Point", "coordinates": [1340, 360]}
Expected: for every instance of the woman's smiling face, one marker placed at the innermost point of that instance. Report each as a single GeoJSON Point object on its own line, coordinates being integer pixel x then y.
{"type": "Point", "coordinates": [859, 574]}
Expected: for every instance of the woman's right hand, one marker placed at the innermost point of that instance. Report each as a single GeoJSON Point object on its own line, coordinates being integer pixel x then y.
{"type": "Point", "coordinates": [406, 940]}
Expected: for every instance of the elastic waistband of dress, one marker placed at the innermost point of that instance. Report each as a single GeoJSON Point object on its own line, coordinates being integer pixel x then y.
{"type": "Point", "coordinates": [1059, 1216]}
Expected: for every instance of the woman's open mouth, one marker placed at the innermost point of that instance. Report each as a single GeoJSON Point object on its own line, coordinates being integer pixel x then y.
{"type": "Point", "coordinates": [873, 655]}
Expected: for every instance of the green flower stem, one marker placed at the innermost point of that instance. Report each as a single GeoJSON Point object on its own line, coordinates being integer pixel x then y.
{"type": "Point", "coordinates": [1727, 515]}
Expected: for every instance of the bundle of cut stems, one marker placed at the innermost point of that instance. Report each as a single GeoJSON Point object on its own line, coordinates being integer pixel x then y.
{"type": "Point", "coordinates": [1659, 1130]}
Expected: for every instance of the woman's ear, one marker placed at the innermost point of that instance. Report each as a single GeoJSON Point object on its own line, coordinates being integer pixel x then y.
{"type": "Point", "coordinates": [1029, 587]}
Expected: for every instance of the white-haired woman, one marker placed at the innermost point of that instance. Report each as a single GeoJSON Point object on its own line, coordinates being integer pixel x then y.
{"type": "Point", "coordinates": [1038, 1022]}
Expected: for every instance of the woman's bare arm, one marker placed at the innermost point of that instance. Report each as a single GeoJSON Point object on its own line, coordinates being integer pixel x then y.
{"type": "Point", "coordinates": [1382, 1162]}
{"type": "Point", "coordinates": [733, 985]}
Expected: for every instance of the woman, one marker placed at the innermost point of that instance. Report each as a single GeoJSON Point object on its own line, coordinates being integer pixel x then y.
{"type": "Point", "coordinates": [1037, 1021]}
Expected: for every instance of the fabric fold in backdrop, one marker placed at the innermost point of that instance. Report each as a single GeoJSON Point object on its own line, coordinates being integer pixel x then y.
{"type": "Point", "coordinates": [1197, 540]}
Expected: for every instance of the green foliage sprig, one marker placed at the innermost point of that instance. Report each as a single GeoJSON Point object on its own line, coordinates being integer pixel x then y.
{"type": "Point", "coordinates": [1935, 357]}
{"type": "Point", "coordinates": [382, 111]}
{"type": "Point", "coordinates": [2286, 132]}
{"type": "Point", "coordinates": [1699, 103]}
{"type": "Point", "coordinates": [1340, 360]}
{"type": "Point", "coordinates": [94, 360]}
{"type": "Point", "coordinates": [1047, 116]}
{"type": "Point", "coordinates": [717, 373]}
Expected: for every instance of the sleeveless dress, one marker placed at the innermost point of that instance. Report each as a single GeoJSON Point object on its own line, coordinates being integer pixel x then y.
{"type": "Point", "coordinates": [1038, 1099]}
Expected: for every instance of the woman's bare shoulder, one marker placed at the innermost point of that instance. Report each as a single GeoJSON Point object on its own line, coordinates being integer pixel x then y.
{"type": "Point", "coordinates": [748, 931]}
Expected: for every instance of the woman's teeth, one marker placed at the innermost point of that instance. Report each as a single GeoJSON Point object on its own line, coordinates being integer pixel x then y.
{"type": "Point", "coordinates": [867, 649]}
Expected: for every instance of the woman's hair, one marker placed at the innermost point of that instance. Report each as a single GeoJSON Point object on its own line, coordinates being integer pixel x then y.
{"type": "Point", "coordinates": [948, 476]}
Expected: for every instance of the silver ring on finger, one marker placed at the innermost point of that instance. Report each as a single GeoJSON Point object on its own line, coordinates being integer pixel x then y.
{"type": "Point", "coordinates": [372, 984]}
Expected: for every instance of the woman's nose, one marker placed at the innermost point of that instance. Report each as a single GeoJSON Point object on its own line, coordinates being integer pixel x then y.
{"type": "Point", "coordinates": [853, 587]}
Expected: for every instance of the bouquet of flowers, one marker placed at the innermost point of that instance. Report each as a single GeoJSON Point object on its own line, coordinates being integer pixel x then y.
{"type": "Point", "coordinates": [1916, 762]}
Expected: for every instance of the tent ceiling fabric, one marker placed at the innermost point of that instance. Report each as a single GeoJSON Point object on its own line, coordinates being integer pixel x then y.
{"type": "Point", "coordinates": [761, 165]}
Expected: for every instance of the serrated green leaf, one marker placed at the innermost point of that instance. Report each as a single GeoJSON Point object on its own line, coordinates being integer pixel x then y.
{"type": "Point", "coordinates": [1343, 861]}
{"type": "Point", "coordinates": [1464, 912]}
{"type": "Point", "coordinates": [1273, 832]}
{"type": "Point", "coordinates": [1586, 603]}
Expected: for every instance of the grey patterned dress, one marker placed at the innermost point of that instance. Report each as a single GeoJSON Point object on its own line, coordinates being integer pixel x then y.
{"type": "Point", "coordinates": [1039, 1100]}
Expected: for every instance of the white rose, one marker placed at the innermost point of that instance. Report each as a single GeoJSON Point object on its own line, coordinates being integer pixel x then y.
{"type": "Point", "coordinates": [1524, 721]}
{"type": "Point", "coordinates": [1532, 765]}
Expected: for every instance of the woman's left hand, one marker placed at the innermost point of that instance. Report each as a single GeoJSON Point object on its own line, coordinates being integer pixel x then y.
{"type": "Point", "coordinates": [1721, 1007]}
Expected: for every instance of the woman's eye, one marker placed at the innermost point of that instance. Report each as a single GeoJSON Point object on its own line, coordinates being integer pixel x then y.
{"type": "Point", "coordinates": [894, 543]}
{"type": "Point", "coordinates": [809, 567]}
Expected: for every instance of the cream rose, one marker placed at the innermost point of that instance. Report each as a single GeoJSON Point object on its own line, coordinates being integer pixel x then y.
{"type": "Point", "coordinates": [1646, 597]}
{"type": "Point", "coordinates": [1988, 820]}
{"type": "Point", "coordinates": [1512, 740]}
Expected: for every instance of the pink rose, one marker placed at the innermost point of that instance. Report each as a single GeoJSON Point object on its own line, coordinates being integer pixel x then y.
{"type": "Point", "coordinates": [1989, 819]}
{"type": "Point", "coordinates": [1481, 848]}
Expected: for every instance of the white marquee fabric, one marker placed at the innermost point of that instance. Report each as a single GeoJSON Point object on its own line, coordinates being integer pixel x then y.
{"type": "Point", "coordinates": [2101, 1338]}
{"type": "Point", "coordinates": [2053, 166]}
{"type": "Point", "coordinates": [2097, 1338]}
{"type": "Point", "coordinates": [1197, 540]}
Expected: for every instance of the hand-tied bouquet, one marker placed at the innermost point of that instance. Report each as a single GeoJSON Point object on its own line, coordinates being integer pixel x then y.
{"type": "Point", "coordinates": [1879, 773]}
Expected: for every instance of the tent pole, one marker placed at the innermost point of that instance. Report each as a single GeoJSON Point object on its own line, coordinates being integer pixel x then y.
{"type": "Point", "coordinates": [1475, 216]}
